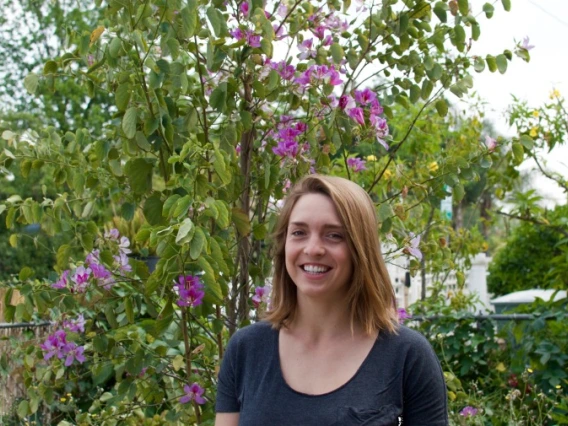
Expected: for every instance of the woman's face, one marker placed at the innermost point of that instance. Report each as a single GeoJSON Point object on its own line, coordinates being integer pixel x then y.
{"type": "Point", "coordinates": [317, 254]}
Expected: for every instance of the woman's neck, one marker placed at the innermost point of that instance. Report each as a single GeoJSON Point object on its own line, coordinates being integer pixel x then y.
{"type": "Point", "coordinates": [319, 321]}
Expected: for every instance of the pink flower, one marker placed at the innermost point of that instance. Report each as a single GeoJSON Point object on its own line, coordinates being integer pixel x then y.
{"type": "Point", "coordinates": [253, 40]}
{"type": "Point", "coordinates": [282, 10]}
{"type": "Point", "coordinates": [490, 143]}
{"type": "Point", "coordinates": [413, 248]}
{"type": "Point", "coordinates": [123, 245]}
{"type": "Point", "coordinates": [319, 32]}
{"type": "Point", "coordinates": [61, 282]}
{"type": "Point", "coordinates": [190, 291]}
{"type": "Point", "coordinates": [81, 279]}
{"type": "Point", "coordinates": [54, 344]}
{"type": "Point", "coordinates": [346, 102]}
{"type": "Point", "coordinates": [245, 8]}
{"type": "Point", "coordinates": [72, 353]}
{"type": "Point", "coordinates": [103, 276]}
{"type": "Point", "coordinates": [306, 50]}
{"type": "Point", "coordinates": [192, 393]}
{"type": "Point", "coordinates": [261, 295]}
{"type": "Point", "coordinates": [468, 411]}
{"type": "Point", "coordinates": [356, 164]}
{"type": "Point", "coordinates": [403, 314]}
{"type": "Point", "coordinates": [123, 262]}
{"type": "Point", "coordinates": [93, 258]}
{"type": "Point", "coordinates": [376, 107]}
{"type": "Point", "coordinates": [525, 45]}
{"type": "Point", "coordinates": [286, 148]}
{"type": "Point", "coordinates": [113, 234]}
{"type": "Point", "coordinates": [77, 325]}
{"type": "Point", "coordinates": [365, 97]}
{"type": "Point", "coordinates": [357, 115]}
{"type": "Point", "coordinates": [237, 33]}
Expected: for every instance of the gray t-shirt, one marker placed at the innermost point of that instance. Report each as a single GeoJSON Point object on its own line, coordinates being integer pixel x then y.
{"type": "Point", "coordinates": [399, 383]}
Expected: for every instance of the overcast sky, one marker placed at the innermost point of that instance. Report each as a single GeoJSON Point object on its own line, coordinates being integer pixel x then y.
{"type": "Point", "coordinates": [545, 22]}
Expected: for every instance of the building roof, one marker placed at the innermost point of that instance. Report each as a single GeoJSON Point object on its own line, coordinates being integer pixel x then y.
{"type": "Point", "coordinates": [529, 296]}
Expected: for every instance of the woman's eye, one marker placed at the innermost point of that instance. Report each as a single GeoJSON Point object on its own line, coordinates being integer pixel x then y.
{"type": "Point", "coordinates": [336, 236]}
{"type": "Point", "coordinates": [297, 233]}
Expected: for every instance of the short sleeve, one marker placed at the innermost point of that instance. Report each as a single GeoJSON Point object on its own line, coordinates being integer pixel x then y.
{"type": "Point", "coordinates": [425, 399]}
{"type": "Point", "coordinates": [227, 396]}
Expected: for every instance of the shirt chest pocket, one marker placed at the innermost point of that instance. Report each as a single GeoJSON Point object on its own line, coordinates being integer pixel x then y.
{"type": "Point", "coordinates": [387, 415]}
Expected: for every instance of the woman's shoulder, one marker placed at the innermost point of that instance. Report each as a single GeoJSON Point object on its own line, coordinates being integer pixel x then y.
{"type": "Point", "coordinates": [256, 332]}
{"type": "Point", "coordinates": [405, 339]}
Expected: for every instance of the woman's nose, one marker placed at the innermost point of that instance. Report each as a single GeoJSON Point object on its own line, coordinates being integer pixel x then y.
{"type": "Point", "coordinates": [314, 247]}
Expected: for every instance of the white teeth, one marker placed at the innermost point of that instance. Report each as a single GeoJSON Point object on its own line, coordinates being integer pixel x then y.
{"type": "Point", "coordinates": [313, 269]}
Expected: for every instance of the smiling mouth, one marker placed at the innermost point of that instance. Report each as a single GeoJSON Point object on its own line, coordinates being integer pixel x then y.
{"type": "Point", "coordinates": [315, 269]}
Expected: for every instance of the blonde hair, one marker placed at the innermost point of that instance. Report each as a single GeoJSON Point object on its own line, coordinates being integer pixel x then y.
{"type": "Point", "coordinates": [371, 299]}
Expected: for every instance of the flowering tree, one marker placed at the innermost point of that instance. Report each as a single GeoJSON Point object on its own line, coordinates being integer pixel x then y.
{"type": "Point", "coordinates": [219, 108]}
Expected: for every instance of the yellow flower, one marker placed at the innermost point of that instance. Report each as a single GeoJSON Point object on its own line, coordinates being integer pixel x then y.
{"type": "Point", "coordinates": [554, 94]}
{"type": "Point", "coordinates": [530, 370]}
{"type": "Point", "coordinates": [388, 174]}
{"type": "Point", "coordinates": [371, 158]}
{"type": "Point", "coordinates": [535, 113]}
{"type": "Point", "coordinates": [433, 166]}
{"type": "Point", "coordinates": [558, 387]}
{"type": "Point", "coordinates": [62, 399]}
{"type": "Point", "coordinates": [534, 132]}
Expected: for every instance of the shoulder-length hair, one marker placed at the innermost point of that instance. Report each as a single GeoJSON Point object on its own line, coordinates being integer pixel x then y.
{"type": "Point", "coordinates": [371, 298]}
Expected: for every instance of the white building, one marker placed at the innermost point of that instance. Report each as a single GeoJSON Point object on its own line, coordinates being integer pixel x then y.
{"type": "Point", "coordinates": [475, 281]}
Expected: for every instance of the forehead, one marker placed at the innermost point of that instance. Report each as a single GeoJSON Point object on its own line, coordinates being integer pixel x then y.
{"type": "Point", "coordinates": [315, 208]}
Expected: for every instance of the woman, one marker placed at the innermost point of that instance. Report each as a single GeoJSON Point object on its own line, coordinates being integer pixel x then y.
{"type": "Point", "coordinates": [330, 351]}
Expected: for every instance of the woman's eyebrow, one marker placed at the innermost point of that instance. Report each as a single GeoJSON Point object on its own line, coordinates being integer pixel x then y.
{"type": "Point", "coordinates": [327, 225]}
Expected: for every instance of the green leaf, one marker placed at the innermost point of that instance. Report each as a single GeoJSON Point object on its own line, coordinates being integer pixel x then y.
{"type": "Point", "coordinates": [50, 67]}
{"type": "Point", "coordinates": [385, 212]}
{"type": "Point", "coordinates": [458, 192]}
{"type": "Point", "coordinates": [501, 61]}
{"type": "Point", "coordinates": [440, 9]}
{"type": "Point", "coordinates": [223, 220]}
{"type": "Point", "coordinates": [427, 87]}
{"type": "Point", "coordinates": [488, 9]}
{"type": "Point", "coordinates": [241, 221]}
{"type": "Point", "coordinates": [527, 142]}
{"type": "Point", "coordinates": [463, 7]}
{"type": "Point", "coordinates": [23, 409]}
{"type": "Point", "coordinates": [139, 174]}
{"type": "Point", "coordinates": [25, 273]}
{"type": "Point", "coordinates": [211, 285]}
{"type": "Point", "coordinates": [31, 82]}
{"type": "Point", "coordinates": [442, 107]}
{"type": "Point", "coordinates": [221, 168]}
{"type": "Point", "coordinates": [153, 210]}
{"type": "Point", "coordinates": [491, 63]}
{"type": "Point", "coordinates": [414, 93]}
{"type": "Point", "coordinates": [189, 18]}
{"type": "Point", "coordinates": [129, 122]}
{"type": "Point", "coordinates": [506, 5]}
{"type": "Point", "coordinates": [102, 371]}
{"type": "Point", "coordinates": [182, 206]}
{"type": "Point", "coordinates": [128, 309]}
{"type": "Point", "coordinates": [518, 152]}
{"type": "Point", "coordinates": [114, 47]}
{"type": "Point", "coordinates": [218, 99]}
{"type": "Point", "coordinates": [197, 243]}
{"type": "Point", "coordinates": [217, 255]}
{"type": "Point", "coordinates": [184, 231]}
{"type": "Point", "coordinates": [170, 202]}
{"type": "Point", "coordinates": [475, 31]}
{"type": "Point", "coordinates": [478, 64]}
{"type": "Point", "coordinates": [337, 53]}
{"type": "Point", "coordinates": [122, 97]}
{"type": "Point", "coordinates": [217, 21]}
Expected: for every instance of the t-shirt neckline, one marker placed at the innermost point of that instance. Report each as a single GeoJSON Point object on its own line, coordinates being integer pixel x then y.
{"type": "Point", "coordinates": [276, 358]}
